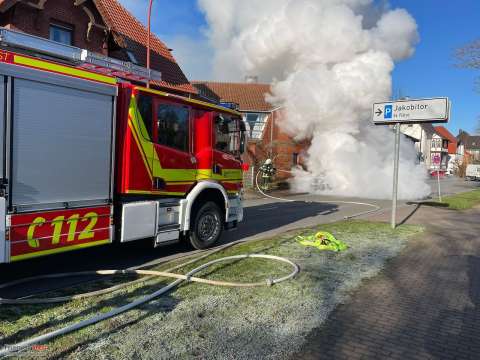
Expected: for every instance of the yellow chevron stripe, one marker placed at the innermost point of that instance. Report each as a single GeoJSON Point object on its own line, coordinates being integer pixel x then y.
{"type": "Point", "coordinates": [140, 148]}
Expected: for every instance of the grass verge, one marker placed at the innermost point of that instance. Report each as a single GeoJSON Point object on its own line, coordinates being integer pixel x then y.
{"type": "Point", "coordinates": [199, 320]}
{"type": "Point", "coordinates": [462, 201]}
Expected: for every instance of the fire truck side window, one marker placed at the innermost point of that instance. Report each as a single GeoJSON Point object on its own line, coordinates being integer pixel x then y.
{"type": "Point", "coordinates": [172, 122]}
{"type": "Point", "coordinates": [144, 104]}
{"type": "Point", "coordinates": [227, 134]}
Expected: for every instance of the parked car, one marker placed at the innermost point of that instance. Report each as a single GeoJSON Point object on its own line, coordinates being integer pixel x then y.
{"type": "Point", "coordinates": [441, 173]}
{"type": "Point", "coordinates": [472, 172]}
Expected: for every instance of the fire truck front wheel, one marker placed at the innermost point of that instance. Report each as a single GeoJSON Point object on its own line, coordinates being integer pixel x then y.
{"type": "Point", "coordinates": [207, 226]}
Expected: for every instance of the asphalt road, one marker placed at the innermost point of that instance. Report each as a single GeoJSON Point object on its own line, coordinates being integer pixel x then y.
{"type": "Point", "coordinates": [263, 218]}
{"type": "Point", "coordinates": [452, 185]}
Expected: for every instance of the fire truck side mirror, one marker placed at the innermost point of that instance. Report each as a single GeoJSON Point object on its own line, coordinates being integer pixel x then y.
{"type": "Point", "coordinates": [243, 136]}
{"type": "Point", "coordinates": [243, 127]}
{"type": "Point", "coordinates": [222, 124]}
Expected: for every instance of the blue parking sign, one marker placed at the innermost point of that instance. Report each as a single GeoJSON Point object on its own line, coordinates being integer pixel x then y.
{"type": "Point", "coordinates": [388, 111]}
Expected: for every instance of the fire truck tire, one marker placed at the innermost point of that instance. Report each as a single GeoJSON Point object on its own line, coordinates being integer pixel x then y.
{"type": "Point", "coordinates": [207, 226]}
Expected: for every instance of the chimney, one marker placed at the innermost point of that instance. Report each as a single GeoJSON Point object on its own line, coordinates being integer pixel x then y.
{"type": "Point", "coordinates": [251, 79]}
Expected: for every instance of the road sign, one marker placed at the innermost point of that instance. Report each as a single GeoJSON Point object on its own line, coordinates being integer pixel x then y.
{"type": "Point", "coordinates": [437, 159]}
{"type": "Point", "coordinates": [411, 111]}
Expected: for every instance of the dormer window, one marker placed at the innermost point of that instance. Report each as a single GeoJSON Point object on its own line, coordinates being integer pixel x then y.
{"type": "Point", "coordinates": [131, 57]}
{"type": "Point", "coordinates": [61, 33]}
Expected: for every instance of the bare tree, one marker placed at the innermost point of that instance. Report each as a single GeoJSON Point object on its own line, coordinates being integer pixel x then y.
{"type": "Point", "coordinates": [468, 56]}
{"type": "Point", "coordinates": [477, 127]}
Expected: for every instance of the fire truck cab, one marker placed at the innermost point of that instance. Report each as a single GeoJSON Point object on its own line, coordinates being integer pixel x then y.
{"type": "Point", "coordinates": [90, 155]}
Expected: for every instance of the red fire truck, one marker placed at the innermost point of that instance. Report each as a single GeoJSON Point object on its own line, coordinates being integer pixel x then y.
{"type": "Point", "coordinates": [90, 155]}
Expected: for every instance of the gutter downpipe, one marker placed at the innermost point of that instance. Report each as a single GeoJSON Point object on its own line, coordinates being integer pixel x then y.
{"type": "Point", "coordinates": [271, 129]}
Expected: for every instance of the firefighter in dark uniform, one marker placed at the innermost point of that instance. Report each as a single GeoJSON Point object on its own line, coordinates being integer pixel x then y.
{"type": "Point", "coordinates": [268, 172]}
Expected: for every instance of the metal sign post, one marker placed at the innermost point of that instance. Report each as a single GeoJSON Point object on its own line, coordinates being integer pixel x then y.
{"type": "Point", "coordinates": [395, 175]}
{"type": "Point", "coordinates": [437, 161]}
{"type": "Point", "coordinates": [438, 182]}
{"type": "Point", "coordinates": [409, 112]}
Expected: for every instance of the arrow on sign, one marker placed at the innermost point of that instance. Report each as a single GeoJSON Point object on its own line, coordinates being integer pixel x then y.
{"type": "Point", "coordinates": [379, 112]}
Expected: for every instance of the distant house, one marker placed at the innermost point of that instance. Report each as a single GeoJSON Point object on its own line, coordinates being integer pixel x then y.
{"type": "Point", "coordinates": [432, 144]}
{"type": "Point", "coordinates": [421, 135]}
{"type": "Point", "coordinates": [468, 147]}
{"type": "Point", "coordinates": [266, 140]}
{"type": "Point", "coordinates": [450, 157]}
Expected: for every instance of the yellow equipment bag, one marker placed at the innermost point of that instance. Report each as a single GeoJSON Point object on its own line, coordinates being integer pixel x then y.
{"type": "Point", "coordinates": [322, 240]}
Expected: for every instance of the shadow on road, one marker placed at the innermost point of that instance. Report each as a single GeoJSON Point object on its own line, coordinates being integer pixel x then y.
{"type": "Point", "coordinates": [262, 218]}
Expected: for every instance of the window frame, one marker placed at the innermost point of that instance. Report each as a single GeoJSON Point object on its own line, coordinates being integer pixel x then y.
{"type": "Point", "coordinates": [262, 118]}
{"type": "Point", "coordinates": [63, 27]}
{"type": "Point", "coordinates": [237, 132]}
{"type": "Point", "coordinates": [295, 158]}
{"type": "Point", "coordinates": [155, 130]}
{"type": "Point", "coordinates": [132, 58]}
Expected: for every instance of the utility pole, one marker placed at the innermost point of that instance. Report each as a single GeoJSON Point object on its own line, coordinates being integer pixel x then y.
{"type": "Point", "coordinates": [149, 36]}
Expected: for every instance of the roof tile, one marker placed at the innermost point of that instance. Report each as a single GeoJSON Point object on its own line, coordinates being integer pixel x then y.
{"type": "Point", "coordinates": [249, 96]}
{"type": "Point", "coordinates": [452, 140]}
{"type": "Point", "coordinates": [133, 35]}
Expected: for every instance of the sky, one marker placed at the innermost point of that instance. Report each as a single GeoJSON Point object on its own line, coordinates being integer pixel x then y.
{"type": "Point", "coordinates": [443, 26]}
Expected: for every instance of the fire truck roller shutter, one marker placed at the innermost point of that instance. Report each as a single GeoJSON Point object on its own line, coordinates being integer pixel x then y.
{"type": "Point", "coordinates": [61, 143]}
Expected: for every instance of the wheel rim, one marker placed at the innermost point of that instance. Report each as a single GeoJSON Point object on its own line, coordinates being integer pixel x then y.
{"type": "Point", "coordinates": [208, 227]}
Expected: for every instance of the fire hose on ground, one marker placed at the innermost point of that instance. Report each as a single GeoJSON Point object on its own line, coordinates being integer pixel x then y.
{"type": "Point", "coordinates": [180, 278]}
{"type": "Point", "coordinates": [375, 207]}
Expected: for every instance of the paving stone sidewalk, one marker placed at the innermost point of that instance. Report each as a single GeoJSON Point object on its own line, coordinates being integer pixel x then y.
{"type": "Point", "coordinates": [425, 304]}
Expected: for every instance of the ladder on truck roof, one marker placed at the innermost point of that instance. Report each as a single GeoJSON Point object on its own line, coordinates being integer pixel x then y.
{"type": "Point", "coordinates": [77, 57]}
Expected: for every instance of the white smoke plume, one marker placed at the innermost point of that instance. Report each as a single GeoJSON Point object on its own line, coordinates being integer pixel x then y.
{"type": "Point", "coordinates": [328, 62]}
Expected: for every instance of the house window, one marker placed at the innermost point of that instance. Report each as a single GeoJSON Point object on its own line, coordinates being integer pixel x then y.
{"type": "Point", "coordinates": [172, 122]}
{"type": "Point", "coordinates": [436, 143]}
{"type": "Point", "coordinates": [131, 57]}
{"type": "Point", "coordinates": [256, 123]}
{"type": "Point", "coordinates": [295, 159]}
{"type": "Point", "coordinates": [61, 34]}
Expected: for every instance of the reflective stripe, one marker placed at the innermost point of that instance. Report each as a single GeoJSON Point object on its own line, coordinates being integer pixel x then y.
{"type": "Point", "coordinates": [59, 250]}
{"type": "Point", "coordinates": [43, 65]}
{"type": "Point", "coordinates": [236, 175]}
{"type": "Point", "coordinates": [146, 192]}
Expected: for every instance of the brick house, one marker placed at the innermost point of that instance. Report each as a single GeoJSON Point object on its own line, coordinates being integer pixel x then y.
{"type": "Point", "coordinates": [266, 140]}
{"type": "Point", "coordinates": [102, 26]}
{"type": "Point", "coordinates": [468, 147]}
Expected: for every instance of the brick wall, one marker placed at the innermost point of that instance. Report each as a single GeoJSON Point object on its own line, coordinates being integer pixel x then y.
{"type": "Point", "coordinates": [283, 147]}
{"type": "Point", "coordinates": [61, 12]}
